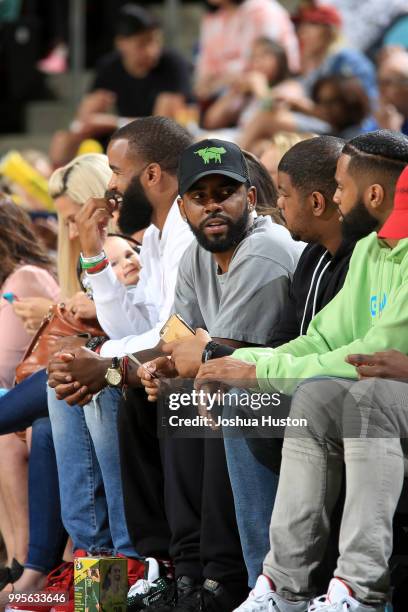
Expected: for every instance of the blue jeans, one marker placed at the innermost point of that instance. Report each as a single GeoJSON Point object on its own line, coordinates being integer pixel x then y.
{"type": "Point", "coordinates": [87, 451]}
{"type": "Point", "coordinates": [254, 488]}
{"type": "Point", "coordinates": [47, 534]}
{"type": "Point", "coordinates": [24, 403]}
{"type": "Point", "coordinates": [19, 409]}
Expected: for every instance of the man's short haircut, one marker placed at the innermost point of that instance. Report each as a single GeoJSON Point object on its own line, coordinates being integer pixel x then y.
{"type": "Point", "coordinates": [133, 19]}
{"type": "Point", "coordinates": [381, 156]}
{"type": "Point", "coordinates": [156, 140]}
{"type": "Point", "coordinates": [311, 165]}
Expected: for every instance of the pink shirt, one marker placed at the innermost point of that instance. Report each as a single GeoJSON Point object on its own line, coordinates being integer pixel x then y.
{"type": "Point", "coordinates": [26, 281]}
{"type": "Point", "coordinates": [227, 36]}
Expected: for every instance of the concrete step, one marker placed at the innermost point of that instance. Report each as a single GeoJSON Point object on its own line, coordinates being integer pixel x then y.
{"type": "Point", "coordinates": [47, 117]}
{"type": "Point", "coordinates": [61, 84]}
{"type": "Point", "coordinates": [24, 141]}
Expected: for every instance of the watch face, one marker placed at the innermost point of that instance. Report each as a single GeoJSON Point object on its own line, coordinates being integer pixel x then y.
{"type": "Point", "coordinates": [113, 377]}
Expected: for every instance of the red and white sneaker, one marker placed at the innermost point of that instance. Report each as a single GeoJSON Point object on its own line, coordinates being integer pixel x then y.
{"type": "Point", "coordinates": [339, 598]}
{"type": "Point", "coordinates": [263, 598]}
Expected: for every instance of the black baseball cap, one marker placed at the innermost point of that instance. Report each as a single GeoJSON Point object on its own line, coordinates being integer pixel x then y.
{"type": "Point", "coordinates": [211, 156]}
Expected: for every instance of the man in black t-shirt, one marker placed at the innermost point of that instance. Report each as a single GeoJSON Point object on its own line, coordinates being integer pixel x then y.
{"type": "Point", "coordinates": [139, 70]}
{"type": "Point", "coordinates": [139, 78]}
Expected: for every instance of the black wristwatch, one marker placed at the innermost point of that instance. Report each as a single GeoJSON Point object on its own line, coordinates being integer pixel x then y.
{"type": "Point", "coordinates": [209, 351]}
{"type": "Point", "coordinates": [95, 342]}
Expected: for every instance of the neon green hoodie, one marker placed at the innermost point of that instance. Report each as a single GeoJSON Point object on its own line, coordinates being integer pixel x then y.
{"type": "Point", "coordinates": [369, 314]}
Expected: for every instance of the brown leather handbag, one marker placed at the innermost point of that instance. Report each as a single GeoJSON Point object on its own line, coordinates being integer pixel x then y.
{"type": "Point", "coordinates": [59, 323]}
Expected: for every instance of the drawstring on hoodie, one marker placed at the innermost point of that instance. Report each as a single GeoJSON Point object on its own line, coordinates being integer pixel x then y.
{"type": "Point", "coordinates": [316, 290]}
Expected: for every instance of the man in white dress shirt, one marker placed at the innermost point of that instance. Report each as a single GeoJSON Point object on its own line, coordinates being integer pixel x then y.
{"type": "Point", "coordinates": [143, 157]}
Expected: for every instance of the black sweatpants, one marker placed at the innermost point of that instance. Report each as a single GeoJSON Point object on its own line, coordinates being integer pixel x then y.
{"type": "Point", "coordinates": [188, 495]}
{"type": "Point", "coordinates": [142, 476]}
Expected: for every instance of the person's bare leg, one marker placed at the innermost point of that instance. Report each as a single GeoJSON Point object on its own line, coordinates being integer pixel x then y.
{"type": "Point", "coordinates": [6, 530]}
{"type": "Point", "coordinates": [14, 490]}
{"type": "Point", "coordinates": [68, 555]}
{"type": "Point", "coordinates": [30, 580]}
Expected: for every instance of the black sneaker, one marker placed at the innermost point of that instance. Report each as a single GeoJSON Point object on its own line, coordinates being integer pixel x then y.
{"type": "Point", "coordinates": [156, 581]}
{"type": "Point", "coordinates": [175, 592]}
{"type": "Point", "coordinates": [210, 597]}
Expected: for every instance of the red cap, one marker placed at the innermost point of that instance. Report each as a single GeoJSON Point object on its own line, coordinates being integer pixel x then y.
{"type": "Point", "coordinates": [323, 14]}
{"type": "Point", "coordinates": [396, 225]}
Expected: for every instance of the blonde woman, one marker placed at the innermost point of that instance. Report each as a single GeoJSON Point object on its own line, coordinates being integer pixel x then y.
{"type": "Point", "coordinates": [71, 186]}
{"type": "Point", "coordinates": [86, 176]}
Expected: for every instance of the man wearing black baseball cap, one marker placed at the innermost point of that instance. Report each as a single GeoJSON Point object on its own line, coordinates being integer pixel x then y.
{"type": "Point", "coordinates": [238, 264]}
{"type": "Point", "coordinates": [138, 79]}
{"type": "Point", "coordinates": [211, 156]}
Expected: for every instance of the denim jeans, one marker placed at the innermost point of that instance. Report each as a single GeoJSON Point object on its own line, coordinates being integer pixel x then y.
{"type": "Point", "coordinates": [87, 451]}
{"type": "Point", "coordinates": [24, 403]}
{"type": "Point", "coordinates": [47, 534]}
{"type": "Point", "coordinates": [21, 407]}
{"type": "Point", "coordinates": [254, 488]}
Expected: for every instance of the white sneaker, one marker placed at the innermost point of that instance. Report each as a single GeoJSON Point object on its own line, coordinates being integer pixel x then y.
{"type": "Point", "coordinates": [264, 598]}
{"type": "Point", "coordinates": [143, 585]}
{"type": "Point", "coordinates": [340, 598]}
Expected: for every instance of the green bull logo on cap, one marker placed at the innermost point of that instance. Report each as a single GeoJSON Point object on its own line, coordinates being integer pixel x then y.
{"type": "Point", "coordinates": [211, 154]}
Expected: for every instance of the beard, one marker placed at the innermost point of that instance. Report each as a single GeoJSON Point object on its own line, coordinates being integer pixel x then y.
{"type": "Point", "coordinates": [221, 243]}
{"type": "Point", "coordinates": [135, 211]}
{"type": "Point", "coordinates": [358, 223]}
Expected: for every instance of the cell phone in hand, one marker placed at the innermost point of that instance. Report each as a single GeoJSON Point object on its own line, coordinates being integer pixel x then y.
{"type": "Point", "coordinates": [175, 328]}
{"type": "Point", "coordinates": [140, 364]}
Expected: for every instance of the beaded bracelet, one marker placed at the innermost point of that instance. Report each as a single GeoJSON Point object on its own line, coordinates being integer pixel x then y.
{"type": "Point", "coordinates": [93, 265]}
{"type": "Point", "coordinates": [94, 258]}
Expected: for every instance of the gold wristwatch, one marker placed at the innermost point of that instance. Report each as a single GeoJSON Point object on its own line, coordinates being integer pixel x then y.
{"type": "Point", "coordinates": [114, 374]}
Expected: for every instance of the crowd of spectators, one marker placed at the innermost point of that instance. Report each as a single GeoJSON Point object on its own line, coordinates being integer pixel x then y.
{"type": "Point", "coordinates": [254, 203]}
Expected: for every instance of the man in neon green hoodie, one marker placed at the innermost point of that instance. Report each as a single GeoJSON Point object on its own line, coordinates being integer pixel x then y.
{"type": "Point", "coordinates": [368, 315]}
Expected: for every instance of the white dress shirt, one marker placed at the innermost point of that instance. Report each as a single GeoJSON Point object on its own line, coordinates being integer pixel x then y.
{"type": "Point", "coordinates": [132, 318]}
